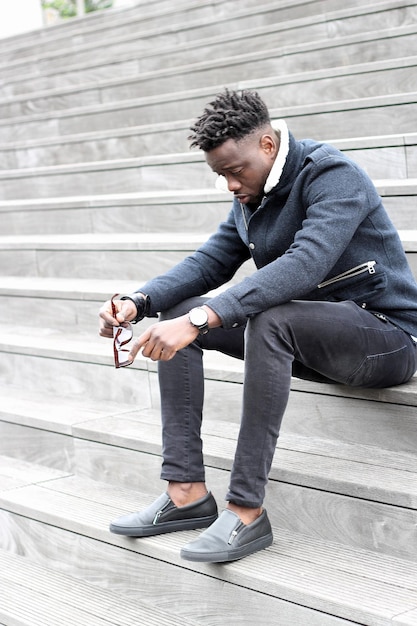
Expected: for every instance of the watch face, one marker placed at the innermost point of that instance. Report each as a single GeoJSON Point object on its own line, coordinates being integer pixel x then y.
{"type": "Point", "coordinates": [198, 317]}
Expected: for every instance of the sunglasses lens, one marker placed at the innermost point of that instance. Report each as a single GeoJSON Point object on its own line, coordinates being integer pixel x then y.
{"type": "Point", "coordinates": [121, 336]}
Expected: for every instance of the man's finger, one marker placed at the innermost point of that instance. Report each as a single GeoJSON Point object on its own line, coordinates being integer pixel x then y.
{"type": "Point", "coordinates": [105, 314]}
{"type": "Point", "coordinates": [137, 344]}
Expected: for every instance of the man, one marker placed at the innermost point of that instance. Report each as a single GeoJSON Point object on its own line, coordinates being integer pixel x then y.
{"type": "Point", "coordinates": [332, 299]}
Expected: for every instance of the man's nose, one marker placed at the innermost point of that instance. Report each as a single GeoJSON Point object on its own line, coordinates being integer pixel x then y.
{"type": "Point", "coordinates": [233, 185]}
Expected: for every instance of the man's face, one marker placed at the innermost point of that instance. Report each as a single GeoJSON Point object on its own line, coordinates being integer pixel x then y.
{"type": "Point", "coordinates": [245, 164]}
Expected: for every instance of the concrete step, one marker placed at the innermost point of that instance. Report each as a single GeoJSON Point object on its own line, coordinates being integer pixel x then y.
{"type": "Point", "coordinates": [352, 584]}
{"type": "Point", "coordinates": [390, 76]}
{"type": "Point", "coordinates": [195, 20]}
{"type": "Point", "coordinates": [298, 49]}
{"type": "Point", "coordinates": [87, 255]}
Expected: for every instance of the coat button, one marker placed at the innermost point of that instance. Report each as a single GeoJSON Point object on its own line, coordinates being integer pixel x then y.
{"type": "Point", "coordinates": [252, 246]}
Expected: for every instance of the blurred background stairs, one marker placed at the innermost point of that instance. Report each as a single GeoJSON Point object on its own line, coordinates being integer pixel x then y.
{"type": "Point", "coordinates": [98, 193]}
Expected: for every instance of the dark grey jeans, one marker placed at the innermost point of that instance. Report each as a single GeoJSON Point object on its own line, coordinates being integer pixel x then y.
{"type": "Point", "coordinates": [321, 341]}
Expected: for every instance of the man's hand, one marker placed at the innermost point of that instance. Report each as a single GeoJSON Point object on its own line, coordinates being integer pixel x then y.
{"type": "Point", "coordinates": [161, 341]}
{"type": "Point", "coordinates": [126, 311]}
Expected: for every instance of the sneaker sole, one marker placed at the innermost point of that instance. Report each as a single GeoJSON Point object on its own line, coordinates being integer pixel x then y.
{"type": "Point", "coordinates": [163, 527]}
{"type": "Point", "coordinates": [233, 554]}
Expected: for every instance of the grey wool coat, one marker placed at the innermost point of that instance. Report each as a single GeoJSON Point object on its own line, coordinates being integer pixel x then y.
{"type": "Point", "coordinates": [321, 233]}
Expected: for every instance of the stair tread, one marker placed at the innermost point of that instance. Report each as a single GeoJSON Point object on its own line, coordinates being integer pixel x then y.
{"type": "Point", "coordinates": [131, 241]}
{"type": "Point", "coordinates": [128, 57]}
{"type": "Point", "coordinates": [192, 26]}
{"type": "Point", "coordinates": [95, 21]}
{"type": "Point", "coordinates": [177, 196]}
{"type": "Point", "coordinates": [146, 32]}
{"type": "Point", "coordinates": [385, 187]}
{"type": "Point", "coordinates": [152, 241]}
{"type": "Point", "coordinates": [66, 288]}
{"type": "Point", "coordinates": [131, 163]}
{"type": "Point", "coordinates": [353, 583]}
{"type": "Point", "coordinates": [358, 470]}
{"type": "Point", "coordinates": [187, 95]}
{"type": "Point", "coordinates": [43, 596]}
{"type": "Point", "coordinates": [351, 143]}
{"type": "Point", "coordinates": [15, 473]}
{"type": "Point", "coordinates": [37, 409]}
{"type": "Point", "coordinates": [48, 342]}
{"type": "Point", "coordinates": [190, 66]}
{"type": "Point", "coordinates": [115, 423]}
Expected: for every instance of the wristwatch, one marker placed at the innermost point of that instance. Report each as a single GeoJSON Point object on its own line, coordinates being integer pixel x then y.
{"type": "Point", "coordinates": [199, 318]}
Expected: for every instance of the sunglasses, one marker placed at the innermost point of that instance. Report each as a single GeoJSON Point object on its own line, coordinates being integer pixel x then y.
{"type": "Point", "coordinates": [121, 336]}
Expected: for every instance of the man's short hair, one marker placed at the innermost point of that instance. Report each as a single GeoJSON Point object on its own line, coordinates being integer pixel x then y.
{"type": "Point", "coordinates": [231, 115]}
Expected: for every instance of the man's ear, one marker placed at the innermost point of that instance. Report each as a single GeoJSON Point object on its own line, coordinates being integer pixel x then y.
{"type": "Point", "coordinates": [269, 144]}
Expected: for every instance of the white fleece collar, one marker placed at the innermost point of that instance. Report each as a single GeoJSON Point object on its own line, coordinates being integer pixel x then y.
{"type": "Point", "coordinates": [276, 170]}
{"type": "Point", "coordinates": [278, 166]}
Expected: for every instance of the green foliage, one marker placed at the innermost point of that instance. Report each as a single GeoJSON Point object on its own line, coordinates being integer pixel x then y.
{"type": "Point", "coordinates": [65, 8]}
{"type": "Point", "coordinates": [96, 5]}
{"type": "Point", "coordinates": [68, 8]}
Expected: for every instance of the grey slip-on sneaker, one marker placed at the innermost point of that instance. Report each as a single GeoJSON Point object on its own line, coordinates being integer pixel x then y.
{"type": "Point", "coordinates": [163, 516]}
{"type": "Point", "coordinates": [229, 539]}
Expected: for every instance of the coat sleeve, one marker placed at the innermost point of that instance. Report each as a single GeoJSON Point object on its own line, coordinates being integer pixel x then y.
{"type": "Point", "coordinates": [211, 266]}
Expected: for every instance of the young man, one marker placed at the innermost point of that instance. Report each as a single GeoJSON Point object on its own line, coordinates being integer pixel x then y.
{"type": "Point", "coordinates": [332, 299]}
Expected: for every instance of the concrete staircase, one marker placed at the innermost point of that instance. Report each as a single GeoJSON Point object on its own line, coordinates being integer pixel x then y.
{"type": "Point", "coordinates": [98, 192]}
